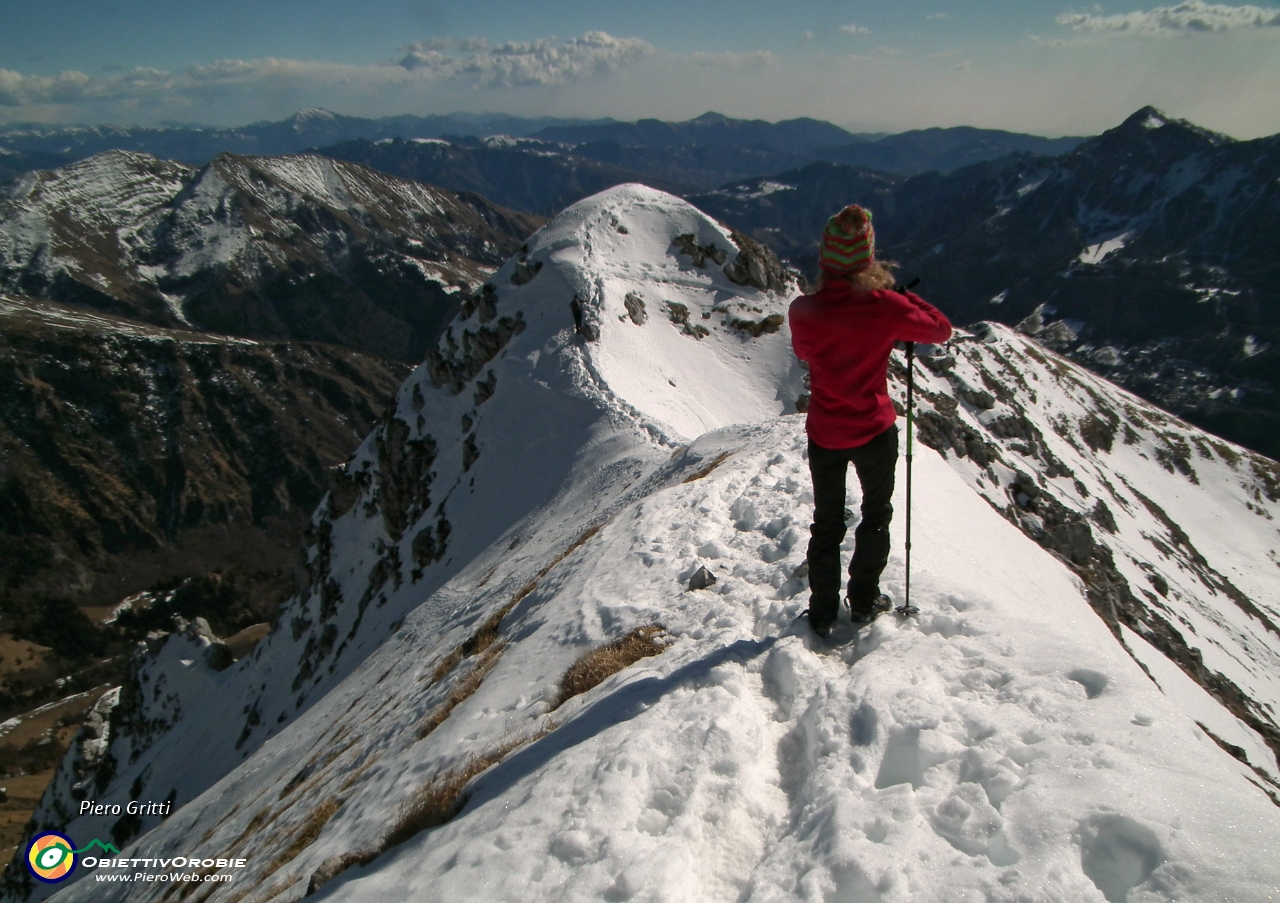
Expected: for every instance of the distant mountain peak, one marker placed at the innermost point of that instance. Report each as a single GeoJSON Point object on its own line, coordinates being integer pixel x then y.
{"type": "Point", "coordinates": [314, 113]}
{"type": "Point", "coordinates": [1149, 119]}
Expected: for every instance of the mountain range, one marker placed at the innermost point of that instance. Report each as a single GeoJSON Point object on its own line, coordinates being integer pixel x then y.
{"type": "Point", "coordinates": [1160, 280]}
{"type": "Point", "coordinates": [298, 247]}
{"type": "Point", "coordinates": [520, 173]}
{"type": "Point", "coordinates": [185, 355]}
{"type": "Point", "coordinates": [1148, 253]}
{"type": "Point", "coordinates": [547, 644]}
{"type": "Point", "coordinates": [699, 153]}
{"type": "Point", "coordinates": [196, 145]}
{"type": "Point", "coordinates": [209, 342]}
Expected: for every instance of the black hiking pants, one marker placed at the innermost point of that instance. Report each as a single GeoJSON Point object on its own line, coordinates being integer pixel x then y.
{"type": "Point", "coordinates": [874, 463]}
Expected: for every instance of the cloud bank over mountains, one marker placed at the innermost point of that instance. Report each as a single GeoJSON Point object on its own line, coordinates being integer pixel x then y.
{"type": "Point", "coordinates": [473, 63]}
{"type": "Point", "coordinates": [1189, 16]}
{"type": "Point", "coordinates": [1221, 76]}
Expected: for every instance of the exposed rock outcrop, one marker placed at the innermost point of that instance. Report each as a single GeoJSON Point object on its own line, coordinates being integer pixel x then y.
{"type": "Point", "coordinates": [756, 266]}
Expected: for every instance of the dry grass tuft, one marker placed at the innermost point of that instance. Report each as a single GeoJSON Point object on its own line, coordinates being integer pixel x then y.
{"type": "Point", "coordinates": [438, 801]}
{"type": "Point", "coordinates": [703, 471]}
{"type": "Point", "coordinates": [263, 817]}
{"type": "Point", "coordinates": [462, 691]}
{"type": "Point", "coordinates": [435, 804]}
{"type": "Point", "coordinates": [487, 634]}
{"type": "Point", "coordinates": [599, 664]}
{"type": "Point", "coordinates": [305, 836]}
{"type": "Point", "coordinates": [335, 866]}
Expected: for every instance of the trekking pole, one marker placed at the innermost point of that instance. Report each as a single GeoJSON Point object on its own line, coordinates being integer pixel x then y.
{"type": "Point", "coordinates": [906, 608]}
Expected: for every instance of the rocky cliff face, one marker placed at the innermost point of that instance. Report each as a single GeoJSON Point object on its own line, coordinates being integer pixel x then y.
{"type": "Point", "coordinates": [291, 247]}
{"type": "Point", "coordinates": [129, 452]}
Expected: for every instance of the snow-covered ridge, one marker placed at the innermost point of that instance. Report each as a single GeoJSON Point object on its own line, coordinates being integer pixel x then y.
{"type": "Point", "coordinates": [487, 433]}
{"type": "Point", "coordinates": [611, 414]}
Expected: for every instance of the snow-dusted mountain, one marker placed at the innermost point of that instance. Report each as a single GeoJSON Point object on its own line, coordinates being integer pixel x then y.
{"type": "Point", "coordinates": [538, 177]}
{"type": "Point", "coordinates": [788, 211]}
{"type": "Point", "coordinates": [614, 413]}
{"type": "Point", "coordinates": [303, 130]}
{"type": "Point", "coordinates": [1152, 246]}
{"type": "Point", "coordinates": [298, 247]}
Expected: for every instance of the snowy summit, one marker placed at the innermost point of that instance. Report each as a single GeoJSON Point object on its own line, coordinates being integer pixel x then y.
{"type": "Point", "coordinates": [614, 413]}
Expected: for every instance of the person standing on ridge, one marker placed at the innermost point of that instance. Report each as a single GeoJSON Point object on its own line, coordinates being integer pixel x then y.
{"type": "Point", "coordinates": [845, 331]}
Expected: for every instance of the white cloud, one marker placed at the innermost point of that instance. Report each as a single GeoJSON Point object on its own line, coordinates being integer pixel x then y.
{"type": "Point", "coordinates": [1189, 16]}
{"type": "Point", "coordinates": [852, 28]}
{"type": "Point", "coordinates": [472, 63]}
{"type": "Point", "coordinates": [18, 90]}
{"type": "Point", "coordinates": [526, 63]}
{"type": "Point", "coordinates": [938, 16]}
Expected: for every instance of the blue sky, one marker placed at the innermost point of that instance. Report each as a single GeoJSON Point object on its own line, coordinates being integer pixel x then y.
{"type": "Point", "coordinates": [1036, 66]}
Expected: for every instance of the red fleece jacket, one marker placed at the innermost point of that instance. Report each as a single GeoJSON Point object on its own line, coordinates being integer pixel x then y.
{"type": "Point", "coordinates": [846, 335]}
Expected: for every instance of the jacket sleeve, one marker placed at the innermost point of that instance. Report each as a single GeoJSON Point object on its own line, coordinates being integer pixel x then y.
{"type": "Point", "coordinates": [797, 334]}
{"type": "Point", "coordinates": [920, 321]}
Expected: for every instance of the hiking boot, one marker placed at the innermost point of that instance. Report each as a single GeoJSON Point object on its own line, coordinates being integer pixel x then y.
{"type": "Point", "coordinates": [866, 612]}
{"type": "Point", "coordinates": [822, 630]}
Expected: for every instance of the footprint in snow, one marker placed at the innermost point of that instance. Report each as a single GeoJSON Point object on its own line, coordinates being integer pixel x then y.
{"type": "Point", "coordinates": [1094, 682]}
{"type": "Point", "coordinates": [1117, 853]}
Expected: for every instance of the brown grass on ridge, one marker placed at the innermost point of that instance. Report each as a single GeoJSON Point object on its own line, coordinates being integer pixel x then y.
{"type": "Point", "coordinates": [593, 668]}
{"type": "Point", "coordinates": [440, 799]}
{"type": "Point", "coordinates": [435, 804]}
{"type": "Point", "coordinates": [706, 469]}
{"type": "Point", "coordinates": [462, 691]}
{"type": "Point", "coordinates": [487, 633]}
{"type": "Point", "coordinates": [306, 836]}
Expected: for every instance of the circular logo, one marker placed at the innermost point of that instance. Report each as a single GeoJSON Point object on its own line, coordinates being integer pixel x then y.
{"type": "Point", "coordinates": [51, 856]}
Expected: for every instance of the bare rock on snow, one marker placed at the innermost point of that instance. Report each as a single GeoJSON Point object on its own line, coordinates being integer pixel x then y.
{"type": "Point", "coordinates": [702, 578]}
{"type": "Point", "coordinates": [688, 244]}
{"type": "Point", "coordinates": [756, 266]}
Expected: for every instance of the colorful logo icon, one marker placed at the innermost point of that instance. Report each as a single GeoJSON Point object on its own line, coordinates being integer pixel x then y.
{"type": "Point", "coordinates": [51, 856]}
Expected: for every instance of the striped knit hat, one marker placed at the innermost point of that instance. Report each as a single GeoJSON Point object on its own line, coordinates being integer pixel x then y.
{"type": "Point", "coordinates": [848, 242]}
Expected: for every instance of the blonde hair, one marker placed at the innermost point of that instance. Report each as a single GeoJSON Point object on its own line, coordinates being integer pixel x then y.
{"type": "Point", "coordinates": [877, 276]}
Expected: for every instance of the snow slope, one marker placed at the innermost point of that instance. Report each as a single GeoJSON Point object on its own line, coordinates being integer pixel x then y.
{"type": "Point", "coordinates": [1173, 531]}
{"type": "Point", "coordinates": [541, 490]}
